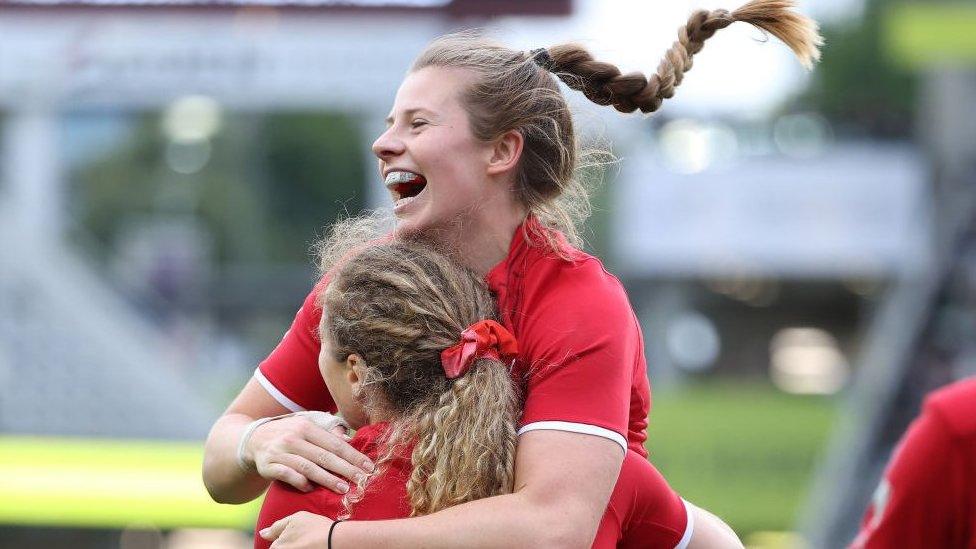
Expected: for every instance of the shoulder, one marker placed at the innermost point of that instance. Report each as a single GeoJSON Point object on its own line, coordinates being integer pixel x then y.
{"type": "Point", "coordinates": [955, 406]}
{"type": "Point", "coordinates": [368, 438]}
{"type": "Point", "coordinates": [573, 304]}
{"type": "Point", "coordinates": [578, 280]}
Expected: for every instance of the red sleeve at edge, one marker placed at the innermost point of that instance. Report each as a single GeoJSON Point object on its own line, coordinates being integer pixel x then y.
{"type": "Point", "coordinates": [914, 504]}
{"type": "Point", "coordinates": [292, 368]}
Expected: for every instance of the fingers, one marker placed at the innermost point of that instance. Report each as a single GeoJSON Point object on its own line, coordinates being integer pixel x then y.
{"type": "Point", "coordinates": [330, 462]}
{"type": "Point", "coordinates": [300, 453]}
{"type": "Point", "coordinates": [340, 448]}
{"type": "Point", "coordinates": [272, 532]}
{"type": "Point", "coordinates": [314, 472]}
{"type": "Point", "coordinates": [288, 475]}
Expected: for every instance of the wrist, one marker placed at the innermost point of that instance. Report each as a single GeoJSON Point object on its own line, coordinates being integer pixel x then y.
{"type": "Point", "coordinates": [332, 532]}
{"type": "Point", "coordinates": [245, 456]}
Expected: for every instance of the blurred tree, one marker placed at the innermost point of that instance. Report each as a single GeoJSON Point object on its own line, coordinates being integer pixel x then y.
{"type": "Point", "coordinates": [270, 184]}
{"type": "Point", "coordinates": [857, 86]}
{"type": "Point", "coordinates": [317, 170]}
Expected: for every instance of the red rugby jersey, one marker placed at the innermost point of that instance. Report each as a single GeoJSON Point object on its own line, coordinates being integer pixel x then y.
{"type": "Point", "coordinates": [581, 349]}
{"type": "Point", "coordinates": [644, 512]}
{"type": "Point", "coordinates": [385, 496]}
{"type": "Point", "coordinates": [653, 516]}
{"type": "Point", "coordinates": [927, 497]}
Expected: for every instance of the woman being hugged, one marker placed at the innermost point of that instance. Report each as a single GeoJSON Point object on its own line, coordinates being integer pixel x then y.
{"type": "Point", "coordinates": [480, 157]}
{"type": "Point", "coordinates": [414, 358]}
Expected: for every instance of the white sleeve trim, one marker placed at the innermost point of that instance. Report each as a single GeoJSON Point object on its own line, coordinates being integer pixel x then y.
{"type": "Point", "coordinates": [583, 428]}
{"type": "Point", "coordinates": [689, 526]}
{"type": "Point", "coordinates": [275, 393]}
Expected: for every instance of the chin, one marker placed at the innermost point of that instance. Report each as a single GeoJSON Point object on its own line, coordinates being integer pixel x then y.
{"type": "Point", "coordinates": [413, 225]}
{"type": "Point", "coordinates": [418, 226]}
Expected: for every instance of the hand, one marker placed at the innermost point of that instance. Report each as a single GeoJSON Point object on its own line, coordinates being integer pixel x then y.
{"type": "Point", "coordinates": [303, 530]}
{"type": "Point", "coordinates": [296, 451]}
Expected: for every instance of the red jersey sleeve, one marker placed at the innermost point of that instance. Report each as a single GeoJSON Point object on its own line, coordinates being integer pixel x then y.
{"type": "Point", "coordinates": [917, 503]}
{"type": "Point", "coordinates": [581, 344]}
{"type": "Point", "coordinates": [291, 372]}
{"type": "Point", "coordinates": [644, 511]}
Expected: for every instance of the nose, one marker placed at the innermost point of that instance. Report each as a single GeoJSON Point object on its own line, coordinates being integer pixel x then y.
{"type": "Point", "coordinates": [387, 145]}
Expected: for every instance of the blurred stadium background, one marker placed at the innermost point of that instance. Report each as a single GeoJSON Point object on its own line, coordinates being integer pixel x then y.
{"type": "Point", "coordinates": [800, 249]}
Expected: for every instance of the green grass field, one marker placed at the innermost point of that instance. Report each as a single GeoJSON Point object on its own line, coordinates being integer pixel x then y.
{"type": "Point", "coordinates": [744, 451]}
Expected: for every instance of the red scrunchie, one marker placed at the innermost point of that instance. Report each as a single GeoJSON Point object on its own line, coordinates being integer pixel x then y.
{"type": "Point", "coordinates": [483, 339]}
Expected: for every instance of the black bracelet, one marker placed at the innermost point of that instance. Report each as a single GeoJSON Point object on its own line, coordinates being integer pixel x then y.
{"type": "Point", "coordinates": [332, 529]}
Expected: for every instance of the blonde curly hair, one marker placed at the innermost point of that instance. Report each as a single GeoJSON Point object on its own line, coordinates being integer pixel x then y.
{"type": "Point", "coordinates": [398, 305]}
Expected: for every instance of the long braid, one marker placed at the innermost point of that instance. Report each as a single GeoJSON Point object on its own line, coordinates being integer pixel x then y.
{"type": "Point", "coordinates": [603, 83]}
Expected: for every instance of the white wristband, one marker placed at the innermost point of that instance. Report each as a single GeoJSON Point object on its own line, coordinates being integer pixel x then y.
{"type": "Point", "coordinates": [325, 420]}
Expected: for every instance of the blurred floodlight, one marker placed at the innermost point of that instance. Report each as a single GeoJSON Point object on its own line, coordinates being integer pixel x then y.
{"type": "Point", "coordinates": [693, 341]}
{"type": "Point", "coordinates": [691, 147]}
{"type": "Point", "coordinates": [187, 157]}
{"type": "Point", "coordinates": [807, 361]}
{"type": "Point", "coordinates": [803, 135]}
{"type": "Point", "coordinates": [191, 118]}
{"type": "Point", "coordinates": [684, 147]}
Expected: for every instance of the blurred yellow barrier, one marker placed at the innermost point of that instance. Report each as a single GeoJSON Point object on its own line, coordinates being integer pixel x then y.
{"type": "Point", "coordinates": [924, 34]}
{"type": "Point", "coordinates": [775, 540]}
{"type": "Point", "coordinates": [109, 483]}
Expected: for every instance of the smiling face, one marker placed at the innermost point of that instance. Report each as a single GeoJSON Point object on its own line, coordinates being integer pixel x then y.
{"type": "Point", "coordinates": [429, 136]}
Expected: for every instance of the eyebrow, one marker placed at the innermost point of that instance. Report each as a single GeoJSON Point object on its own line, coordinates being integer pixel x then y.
{"type": "Point", "coordinates": [408, 112]}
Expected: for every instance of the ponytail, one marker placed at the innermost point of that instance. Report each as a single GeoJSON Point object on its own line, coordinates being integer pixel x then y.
{"type": "Point", "coordinates": [603, 83]}
{"type": "Point", "coordinates": [465, 440]}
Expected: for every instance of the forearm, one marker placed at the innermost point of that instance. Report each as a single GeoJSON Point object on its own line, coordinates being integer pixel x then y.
{"type": "Point", "coordinates": [226, 481]}
{"type": "Point", "coordinates": [513, 520]}
{"type": "Point", "coordinates": [711, 532]}
{"type": "Point", "coordinates": [556, 503]}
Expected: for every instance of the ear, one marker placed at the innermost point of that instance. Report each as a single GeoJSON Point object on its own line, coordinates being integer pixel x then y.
{"type": "Point", "coordinates": [356, 368]}
{"type": "Point", "coordinates": [506, 152]}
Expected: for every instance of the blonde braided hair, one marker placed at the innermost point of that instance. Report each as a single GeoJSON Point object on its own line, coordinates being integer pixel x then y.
{"type": "Point", "coordinates": [603, 84]}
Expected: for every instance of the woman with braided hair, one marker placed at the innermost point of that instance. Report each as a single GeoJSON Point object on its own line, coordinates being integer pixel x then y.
{"type": "Point", "coordinates": [481, 158]}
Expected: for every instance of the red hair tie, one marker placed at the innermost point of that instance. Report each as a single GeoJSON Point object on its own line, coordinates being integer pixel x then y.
{"type": "Point", "coordinates": [483, 339]}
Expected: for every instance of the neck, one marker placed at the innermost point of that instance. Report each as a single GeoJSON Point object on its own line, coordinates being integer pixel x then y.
{"type": "Point", "coordinates": [480, 238]}
{"type": "Point", "coordinates": [482, 246]}
{"type": "Point", "coordinates": [484, 235]}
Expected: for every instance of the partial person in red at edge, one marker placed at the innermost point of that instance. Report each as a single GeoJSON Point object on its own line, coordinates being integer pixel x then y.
{"type": "Point", "coordinates": [927, 497]}
{"type": "Point", "coordinates": [413, 354]}
{"type": "Point", "coordinates": [480, 157]}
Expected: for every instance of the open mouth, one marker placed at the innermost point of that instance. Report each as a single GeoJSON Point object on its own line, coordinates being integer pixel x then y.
{"type": "Point", "coordinates": [404, 185]}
